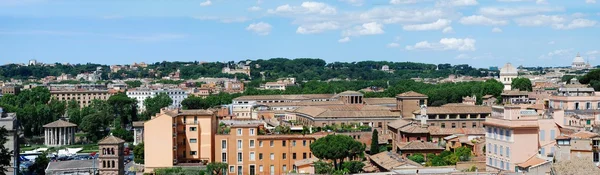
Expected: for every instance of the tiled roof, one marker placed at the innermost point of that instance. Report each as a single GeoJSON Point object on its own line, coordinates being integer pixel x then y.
{"type": "Point", "coordinates": [487, 96]}
{"type": "Point", "coordinates": [436, 130]}
{"type": "Point", "coordinates": [533, 161]}
{"type": "Point", "coordinates": [389, 160]}
{"type": "Point", "coordinates": [583, 135]}
{"type": "Point", "coordinates": [286, 97]}
{"type": "Point", "coordinates": [515, 93]}
{"type": "Point", "coordinates": [414, 129]}
{"type": "Point", "coordinates": [138, 124]}
{"type": "Point", "coordinates": [347, 111]}
{"type": "Point", "coordinates": [305, 161]}
{"type": "Point", "coordinates": [304, 103]}
{"type": "Point", "coordinates": [417, 145]}
{"type": "Point", "coordinates": [398, 123]}
{"type": "Point", "coordinates": [458, 109]}
{"type": "Point", "coordinates": [111, 140]}
{"type": "Point", "coordinates": [196, 112]}
{"type": "Point", "coordinates": [379, 101]}
{"type": "Point", "coordinates": [411, 94]}
{"type": "Point", "coordinates": [59, 124]}
{"type": "Point", "coordinates": [350, 93]}
{"type": "Point", "coordinates": [81, 165]}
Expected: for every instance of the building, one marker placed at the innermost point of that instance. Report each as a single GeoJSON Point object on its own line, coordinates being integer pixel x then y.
{"type": "Point", "coordinates": [515, 97]}
{"type": "Point", "coordinates": [9, 122]}
{"type": "Point", "coordinates": [79, 167]}
{"type": "Point", "coordinates": [406, 149]}
{"type": "Point", "coordinates": [410, 101]}
{"type": "Point", "coordinates": [580, 145]}
{"type": "Point", "coordinates": [138, 132]}
{"type": "Point", "coordinates": [59, 133]}
{"type": "Point", "coordinates": [176, 138]}
{"type": "Point", "coordinates": [507, 74]}
{"type": "Point", "coordinates": [248, 152]}
{"type": "Point", "coordinates": [320, 116]}
{"type": "Point", "coordinates": [579, 63]}
{"type": "Point", "coordinates": [82, 96]}
{"type": "Point", "coordinates": [32, 62]}
{"type": "Point", "coordinates": [111, 157]}
{"type": "Point", "coordinates": [469, 100]}
{"type": "Point", "coordinates": [244, 106]}
{"type": "Point", "coordinates": [488, 100]}
{"type": "Point", "coordinates": [11, 89]}
{"type": "Point", "coordinates": [275, 86]}
{"type": "Point", "coordinates": [141, 94]}
{"type": "Point", "coordinates": [515, 135]}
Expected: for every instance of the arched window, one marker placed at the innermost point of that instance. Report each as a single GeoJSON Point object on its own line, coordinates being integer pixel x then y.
{"type": "Point", "coordinates": [103, 151]}
{"type": "Point", "coordinates": [103, 164]}
{"type": "Point", "coordinates": [113, 164]}
{"type": "Point", "coordinates": [112, 150]}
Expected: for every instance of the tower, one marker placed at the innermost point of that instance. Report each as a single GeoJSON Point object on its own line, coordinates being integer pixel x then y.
{"type": "Point", "coordinates": [110, 160]}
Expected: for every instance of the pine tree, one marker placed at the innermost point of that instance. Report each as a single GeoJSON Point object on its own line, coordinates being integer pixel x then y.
{"type": "Point", "coordinates": [375, 142]}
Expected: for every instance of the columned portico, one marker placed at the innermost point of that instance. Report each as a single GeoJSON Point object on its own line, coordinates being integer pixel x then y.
{"type": "Point", "coordinates": [59, 133]}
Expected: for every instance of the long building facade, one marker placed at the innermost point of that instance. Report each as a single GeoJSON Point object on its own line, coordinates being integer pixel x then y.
{"type": "Point", "coordinates": [141, 94]}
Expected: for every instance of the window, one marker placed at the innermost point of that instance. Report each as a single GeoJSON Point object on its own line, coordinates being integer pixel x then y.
{"type": "Point", "coordinates": [542, 135]}
{"type": "Point", "coordinates": [596, 157]}
{"type": "Point", "coordinates": [489, 148]}
{"type": "Point", "coordinates": [284, 156]}
{"type": "Point", "coordinates": [260, 143]}
{"type": "Point", "coordinates": [272, 170]}
{"type": "Point", "coordinates": [552, 134]}
{"type": "Point", "coordinates": [508, 135]}
{"type": "Point", "coordinates": [231, 169]}
{"type": "Point", "coordinates": [507, 152]}
{"type": "Point", "coordinates": [239, 132]}
{"type": "Point", "coordinates": [193, 153]}
{"type": "Point", "coordinates": [252, 156]}
{"type": "Point", "coordinates": [495, 133]}
{"type": "Point", "coordinates": [252, 170]}
{"type": "Point", "coordinates": [588, 105]}
{"type": "Point", "coordinates": [474, 125]}
{"type": "Point", "coordinates": [239, 170]}
{"type": "Point", "coordinates": [195, 119]}
{"type": "Point", "coordinates": [501, 150]}
{"type": "Point", "coordinates": [223, 144]}
{"type": "Point", "coordinates": [501, 134]}
{"type": "Point", "coordinates": [193, 140]}
{"type": "Point", "coordinates": [501, 164]}
{"type": "Point", "coordinates": [294, 156]}
{"type": "Point", "coordinates": [239, 144]}
{"type": "Point", "coordinates": [260, 157]}
{"type": "Point", "coordinates": [495, 149]}
{"type": "Point", "coordinates": [239, 157]}
{"type": "Point", "coordinates": [283, 143]}
{"type": "Point", "coordinates": [293, 143]}
{"type": "Point", "coordinates": [303, 155]}
{"type": "Point", "coordinates": [303, 142]}
{"type": "Point", "coordinates": [464, 125]}
{"type": "Point", "coordinates": [260, 168]}
{"type": "Point", "coordinates": [284, 168]}
{"type": "Point", "coordinates": [272, 156]}
{"type": "Point", "coordinates": [193, 129]}
{"type": "Point", "coordinates": [543, 151]}
{"type": "Point", "coordinates": [271, 143]}
{"type": "Point", "coordinates": [443, 125]}
{"type": "Point", "coordinates": [251, 143]}
{"type": "Point", "coordinates": [251, 131]}
{"type": "Point", "coordinates": [223, 157]}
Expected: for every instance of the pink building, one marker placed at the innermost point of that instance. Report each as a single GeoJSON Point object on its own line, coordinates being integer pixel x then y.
{"type": "Point", "coordinates": [515, 135]}
{"type": "Point", "coordinates": [581, 106]}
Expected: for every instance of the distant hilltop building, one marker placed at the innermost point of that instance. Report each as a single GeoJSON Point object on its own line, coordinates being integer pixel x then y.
{"type": "Point", "coordinates": [507, 74]}
{"type": "Point", "coordinates": [579, 63]}
{"type": "Point", "coordinates": [32, 62]}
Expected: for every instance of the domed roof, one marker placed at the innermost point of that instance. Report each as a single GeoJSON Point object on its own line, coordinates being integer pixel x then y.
{"type": "Point", "coordinates": [578, 59]}
{"type": "Point", "coordinates": [508, 69]}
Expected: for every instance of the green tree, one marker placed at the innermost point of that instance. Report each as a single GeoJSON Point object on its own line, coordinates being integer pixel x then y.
{"type": "Point", "coordinates": [40, 164]}
{"type": "Point", "coordinates": [374, 142]}
{"type": "Point", "coordinates": [123, 133]}
{"type": "Point", "coordinates": [305, 130]}
{"type": "Point", "coordinates": [522, 84]}
{"type": "Point", "coordinates": [216, 168]}
{"type": "Point", "coordinates": [336, 148]}
{"type": "Point", "coordinates": [94, 125]}
{"type": "Point", "coordinates": [74, 112]}
{"type": "Point", "coordinates": [138, 153]}
{"type": "Point", "coordinates": [322, 167]}
{"type": "Point", "coordinates": [154, 104]}
{"type": "Point", "coordinates": [353, 166]}
{"type": "Point", "coordinates": [5, 154]}
{"type": "Point", "coordinates": [123, 108]}
{"type": "Point", "coordinates": [419, 158]}
{"type": "Point", "coordinates": [463, 153]}
{"type": "Point", "coordinates": [193, 102]}
{"type": "Point", "coordinates": [133, 84]}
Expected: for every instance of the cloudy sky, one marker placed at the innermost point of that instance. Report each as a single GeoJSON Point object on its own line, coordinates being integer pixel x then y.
{"type": "Point", "coordinates": [478, 32]}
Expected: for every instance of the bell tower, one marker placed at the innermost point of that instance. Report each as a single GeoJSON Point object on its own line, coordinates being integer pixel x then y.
{"type": "Point", "coordinates": [110, 159]}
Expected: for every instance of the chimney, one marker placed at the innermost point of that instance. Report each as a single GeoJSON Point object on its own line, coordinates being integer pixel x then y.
{"type": "Point", "coordinates": [423, 116]}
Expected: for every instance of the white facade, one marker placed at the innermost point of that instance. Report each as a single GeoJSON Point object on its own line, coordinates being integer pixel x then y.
{"type": "Point", "coordinates": [177, 95]}
{"type": "Point", "coordinates": [507, 74]}
{"type": "Point", "coordinates": [579, 63]}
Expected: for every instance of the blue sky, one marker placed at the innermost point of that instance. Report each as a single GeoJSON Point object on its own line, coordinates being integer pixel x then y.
{"type": "Point", "coordinates": [481, 33]}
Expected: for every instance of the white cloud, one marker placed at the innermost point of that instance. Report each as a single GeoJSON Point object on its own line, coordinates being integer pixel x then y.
{"type": "Point", "coordinates": [551, 42]}
{"type": "Point", "coordinates": [254, 8]}
{"type": "Point", "coordinates": [516, 11]}
{"type": "Point", "coordinates": [540, 20]}
{"type": "Point", "coordinates": [372, 28]}
{"type": "Point", "coordinates": [497, 30]}
{"type": "Point", "coordinates": [393, 45]}
{"type": "Point", "coordinates": [317, 28]}
{"type": "Point", "coordinates": [578, 15]}
{"type": "Point", "coordinates": [448, 30]}
{"type": "Point", "coordinates": [395, 2]}
{"type": "Point", "coordinates": [442, 3]}
{"type": "Point", "coordinates": [481, 20]}
{"type": "Point", "coordinates": [541, 2]}
{"type": "Point", "coordinates": [590, 1]}
{"type": "Point", "coordinates": [260, 28]}
{"type": "Point", "coordinates": [437, 25]}
{"type": "Point", "coordinates": [593, 52]}
{"type": "Point", "coordinates": [576, 23]}
{"type": "Point", "coordinates": [466, 44]}
{"type": "Point", "coordinates": [558, 52]}
{"type": "Point", "coordinates": [305, 8]}
{"type": "Point", "coordinates": [354, 2]}
{"type": "Point", "coordinates": [343, 40]}
{"type": "Point", "coordinates": [536, 1]}
{"type": "Point", "coordinates": [223, 19]}
{"type": "Point", "coordinates": [389, 15]}
{"type": "Point", "coordinates": [206, 3]}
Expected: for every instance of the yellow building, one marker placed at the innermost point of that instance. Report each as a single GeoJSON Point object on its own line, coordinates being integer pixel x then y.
{"type": "Point", "coordinates": [179, 138]}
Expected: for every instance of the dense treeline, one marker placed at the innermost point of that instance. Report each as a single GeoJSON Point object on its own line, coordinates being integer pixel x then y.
{"type": "Point", "coordinates": [592, 78]}
{"type": "Point", "coordinates": [301, 68]}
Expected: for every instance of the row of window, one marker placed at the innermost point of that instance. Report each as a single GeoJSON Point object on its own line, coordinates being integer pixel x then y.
{"type": "Point", "coordinates": [496, 162]}
{"type": "Point", "coordinates": [152, 93]}
{"type": "Point", "coordinates": [252, 156]}
{"type": "Point", "coordinates": [588, 105]}
{"type": "Point", "coordinates": [252, 169]}
{"type": "Point", "coordinates": [84, 94]}
{"type": "Point", "coordinates": [260, 143]}
{"type": "Point", "coordinates": [501, 150]}
{"type": "Point", "coordinates": [499, 133]}
{"type": "Point", "coordinates": [453, 125]}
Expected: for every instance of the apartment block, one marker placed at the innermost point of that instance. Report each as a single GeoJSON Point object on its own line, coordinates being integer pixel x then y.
{"type": "Point", "coordinates": [82, 96]}
{"type": "Point", "coordinates": [141, 94]}
{"type": "Point", "coordinates": [248, 152]}
{"type": "Point", "coordinates": [179, 138]}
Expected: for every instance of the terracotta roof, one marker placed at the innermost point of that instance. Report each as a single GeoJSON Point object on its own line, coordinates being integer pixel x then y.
{"type": "Point", "coordinates": [286, 97]}
{"type": "Point", "coordinates": [305, 161]}
{"type": "Point", "coordinates": [515, 93]}
{"type": "Point", "coordinates": [436, 130]}
{"type": "Point", "coordinates": [111, 140]}
{"type": "Point", "coordinates": [389, 160]}
{"type": "Point", "coordinates": [536, 106]}
{"type": "Point", "coordinates": [458, 109]}
{"type": "Point", "coordinates": [417, 145]}
{"type": "Point", "coordinates": [347, 111]}
{"type": "Point", "coordinates": [487, 96]}
{"type": "Point", "coordinates": [59, 124]}
{"type": "Point", "coordinates": [583, 135]}
{"type": "Point", "coordinates": [350, 93]}
{"type": "Point", "coordinates": [411, 94]}
{"type": "Point", "coordinates": [533, 161]}
{"type": "Point", "coordinates": [304, 103]}
{"type": "Point", "coordinates": [399, 123]}
{"type": "Point", "coordinates": [562, 137]}
{"type": "Point", "coordinates": [379, 101]}
{"type": "Point", "coordinates": [575, 166]}
{"type": "Point", "coordinates": [138, 124]}
{"type": "Point", "coordinates": [414, 129]}
{"type": "Point", "coordinates": [196, 112]}
{"type": "Point", "coordinates": [285, 136]}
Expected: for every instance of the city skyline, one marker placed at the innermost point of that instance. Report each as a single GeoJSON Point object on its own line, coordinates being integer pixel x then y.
{"type": "Point", "coordinates": [478, 33]}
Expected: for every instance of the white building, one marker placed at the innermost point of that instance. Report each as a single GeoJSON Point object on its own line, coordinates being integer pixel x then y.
{"type": "Point", "coordinates": [579, 63]}
{"type": "Point", "coordinates": [32, 62]}
{"type": "Point", "coordinates": [507, 74]}
{"type": "Point", "coordinates": [141, 94]}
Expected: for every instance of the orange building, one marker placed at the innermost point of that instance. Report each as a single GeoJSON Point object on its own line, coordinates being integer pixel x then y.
{"type": "Point", "coordinates": [179, 138]}
{"type": "Point", "coordinates": [247, 152]}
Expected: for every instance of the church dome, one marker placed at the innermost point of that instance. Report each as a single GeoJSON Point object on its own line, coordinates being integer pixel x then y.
{"type": "Point", "coordinates": [578, 60]}
{"type": "Point", "coordinates": [509, 69]}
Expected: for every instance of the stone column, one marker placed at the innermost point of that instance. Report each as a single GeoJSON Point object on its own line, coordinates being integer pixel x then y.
{"type": "Point", "coordinates": [45, 136]}
{"type": "Point", "coordinates": [51, 132]}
